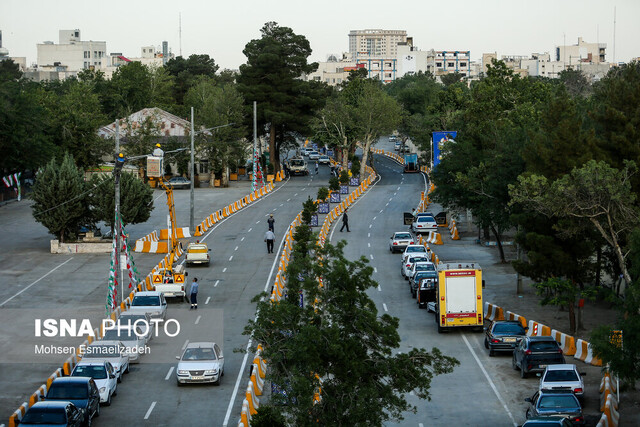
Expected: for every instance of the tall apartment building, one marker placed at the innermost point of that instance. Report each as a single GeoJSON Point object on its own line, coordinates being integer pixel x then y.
{"type": "Point", "coordinates": [71, 54]}
{"type": "Point", "coordinates": [376, 43]}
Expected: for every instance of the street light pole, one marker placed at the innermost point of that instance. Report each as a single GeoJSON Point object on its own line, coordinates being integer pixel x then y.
{"type": "Point", "coordinates": [117, 229]}
{"type": "Point", "coordinates": [191, 220]}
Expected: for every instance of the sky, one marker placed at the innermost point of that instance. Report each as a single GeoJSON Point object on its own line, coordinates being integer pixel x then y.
{"type": "Point", "coordinates": [221, 29]}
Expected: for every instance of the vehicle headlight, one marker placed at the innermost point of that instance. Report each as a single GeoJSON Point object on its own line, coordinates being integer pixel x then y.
{"type": "Point", "coordinates": [103, 389]}
{"type": "Point", "coordinates": [183, 372]}
{"type": "Point", "coordinates": [211, 371]}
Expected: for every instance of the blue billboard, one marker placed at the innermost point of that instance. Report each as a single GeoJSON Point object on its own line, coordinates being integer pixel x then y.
{"type": "Point", "coordinates": [439, 139]}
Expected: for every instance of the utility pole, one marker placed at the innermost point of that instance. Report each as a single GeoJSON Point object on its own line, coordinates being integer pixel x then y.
{"type": "Point", "coordinates": [255, 146]}
{"type": "Point", "coordinates": [117, 229]}
{"type": "Point", "coordinates": [191, 171]}
{"type": "Point", "coordinates": [518, 276]}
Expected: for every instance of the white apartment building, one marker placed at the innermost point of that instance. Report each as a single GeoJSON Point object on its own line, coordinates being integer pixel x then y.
{"type": "Point", "coordinates": [71, 54]}
{"type": "Point", "coordinates": [376, 43]}
{"type": "Point", "coordinates": [572, 55]}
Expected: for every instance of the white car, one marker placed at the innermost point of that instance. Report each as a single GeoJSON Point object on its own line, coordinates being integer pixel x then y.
{"type": "Point", "coordinates": [307, 150]}
{"type": "Point", "coordinates": [424, 224]}
{"type": "Point", "coordinates": [151, 302]}
{"type": "Point", "coordinates": [420, 266]}
{"type": "Point", "coordinates": [141, 320]}
{"type": "Point", "coordinates": [324, 160]}
{"type": "Point", "coordinates": [201, 362]}
{"type": "Point", "coordinates": [411, 250]}
{"type": "Point", "coordinates": [314, 155]}
{"type": "Point", "coordinates": [103, 374]}
{"type": "Point", "coordinates": [407, 264]}
{"type": "Point", "coordinates": [114, 352]}
{"type": "Point", "coordinates": [564, 377]}
{"type": "Point", "coordinates": [132, 337]}
{"type": "Point", "coordinates": [400, 240]}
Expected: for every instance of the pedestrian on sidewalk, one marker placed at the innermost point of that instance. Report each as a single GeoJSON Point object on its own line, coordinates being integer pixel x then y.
{"type": "Point", "coordinates": [194, 294]}
{"type": "Point", "coordinates": [345, 221]}
{"type": "Point", "coordinates": [269, 237]}
{"type": "Point", "coordinates": [271, 222]}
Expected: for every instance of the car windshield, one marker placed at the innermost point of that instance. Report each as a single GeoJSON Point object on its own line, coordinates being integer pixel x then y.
{"type": "Point", "coordinates": [418, 259]}
{"type": "Point", "coordinates": [426, 219]}
{"type": "Point", "coordinates": [508, 329]}
{"type": "Point", "coordinates": [558, 401]}
{"type": "Point", "coordinates": [426, 275]}
{"type": "Point", "coordinates": [67, 391]}
{"type": "Point", "coordinates": [102, 351]}
{"type": "Point", "coordinates": [403, 236]}
{"type": "Point", "coordinates": [416, 249]}
{"type": "Point", "coordinates": [145, 300]}
{"type": "Point", "coordinates": [297, 162]}
{"type": "Point", "coordinates": [199, 354]}
{"type": "Point", "coordinates": [558, 376]}
{"type": "Point", "coordinates": [425, 267]}
{"type": "Point", "coordinates": [543, 345]}
{"type": "Point", "coordinates": [95, 372]}
{"type": "Point", "coordinates": [44, 416]}
{"type": "Point", "coordinates": [122, 334]}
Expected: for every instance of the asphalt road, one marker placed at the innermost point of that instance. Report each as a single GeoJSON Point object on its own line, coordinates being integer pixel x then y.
{"type": "Point", "coordinates": [481, 391]}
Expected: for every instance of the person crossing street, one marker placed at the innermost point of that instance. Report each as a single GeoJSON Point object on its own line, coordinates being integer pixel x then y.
{"type": "Point", "coordinates": [194, 294]}
{"type": "Point", "coordinates": [345, 221]}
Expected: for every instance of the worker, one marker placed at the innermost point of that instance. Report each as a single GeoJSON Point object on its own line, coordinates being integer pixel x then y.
{"type": "Point", "coordinates": [194, 294]}
{"type": "Point", "coordinates": [269, 237]}
{"type": "Point", "coordinates": [271, 221]}
{"type": "Point", "coordinates": [158, 152]}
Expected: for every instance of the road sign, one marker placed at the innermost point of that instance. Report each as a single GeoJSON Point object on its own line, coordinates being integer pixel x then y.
{"type": "Point", "coordinates": [157, 279]}
{"type": "Point", "coordinates": [616, 338]}
{"type": "Point", "coordinates": [178, 278]}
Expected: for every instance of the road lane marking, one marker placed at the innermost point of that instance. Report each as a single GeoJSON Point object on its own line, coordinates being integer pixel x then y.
{"type": "Point", "coordinates": [371, 256]}
{"type": "Point", "coordinates": [224, 269]}
{"type": "Point", "coordinates": [50, 271]}
{"type": "Point", "coordinates": [374, 218]}
{"type": "Point", "coordinates": [398, 188]}
{"type": "Point", "coordinates": [369, 245]}
{"type": "Point", "coordinates": [370, 225]}
{"type": "Point", "coordinates": [249, 230]}
{"type": "Point", "coordinates": [375, 270]}
{"type": "Point", "coordinates": [242, 239]}
{"type": "Point", "coordinates": [207, 301]}
{"type": "Point", "coordinates": [385, 307]}
{"type": "Point", "coordinates": [169, 374]}
{"type": "Point", "coordinates": [257, 222]}
{"type": "Point", "coordinates": [368, 234]}
{"type": "Point", "coordinates": [379, 288]}
{"type": "Point", "coordinates": [395, 194]}
{"type": "Point", "coordinates": [153, 405]}
{"type": "Point", "coordinates": [216, 284]}
{"type": "Point", "coordinates": [236, 248]}
{"type": "Point", "coordinates": [387, 204]}
{"type": "Point", "coordinates": [486, 375]}
{"type": "Point", "coordinates": [288, 200]}
{"type": "Point", "coordinates": [186, 343]}
{"type": "Point", "coordinates": [391, 199]}
{"type": "Point", "coordinates": [231, 257]}
{"type": "Point", "coordinates": [295, 195]}
{"type": "Point", "coordinates": [197, 320]}
{"type": "Point", "coordinates": [420, 425]}
{"type": "Point", "coordinates": [381, 210]}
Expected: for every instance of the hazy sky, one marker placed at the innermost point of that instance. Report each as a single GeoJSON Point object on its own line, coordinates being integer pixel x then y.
{"type": "Point", "coordinates": [222, 28]}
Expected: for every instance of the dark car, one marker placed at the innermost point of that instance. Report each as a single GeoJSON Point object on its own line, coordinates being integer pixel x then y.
{"type": "Point", "coordinates": [81, 391]}
{"type": "Point", "coordinates": [549, 403]}
{"type": "Point", "coordinates": [547, 422]}
{"type": "Point", "coordinates": [533, 354]}
{"type": "Point", "coordinates": [53, 413]}
{"type": "Point", "coordinates": [427, 288]}
{"type": "Point", "coordinates": [178, 182]}
{"type": "Point", "coordinates": [420, 275]}
{"type": "Point", "coordinates": [503, 335]}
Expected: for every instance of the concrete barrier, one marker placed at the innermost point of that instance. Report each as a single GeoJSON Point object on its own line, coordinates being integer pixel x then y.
{"type": "Point", "coordinates": [181, 232]}
{"type": "Point", "coordinates": [493, 312]}
{"type": "Point", "coordinates": [606, 390]}
{"type": "Point", "coordinates": [151, 247]}
{"type": "Point", "coordinates": [258, 383]}
{"type": "Point", "coordinates": [253, 400]}
{"type": "Point", "coordinates": [434, 238]}
{"type": "Point", "coordinates": [512, 316]}
{"type": "Point", "coordinates": [17, 415]}
{"type": "Point", "coordinates": [585, 353]}
{"type": "Point", "coordinates": [611, 411]}
{"type": "Point", "coordinates": [538, 329]}
{"type": "Point", "coordinates": [245, 414]}
{"type": "Point", "coordinates": [567, 342]}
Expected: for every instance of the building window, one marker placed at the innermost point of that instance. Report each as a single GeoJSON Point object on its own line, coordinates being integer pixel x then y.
{"type": "Point", "coordinates": [339, 80]}
{"type": "Point", "coordinates": [463, 64]}
{"type": "Point", "coordinates": [451, 64]}
{"type": "Point", "coordinates": [204, 167]}
{"type": "Point", "coordinates": [439, 64]}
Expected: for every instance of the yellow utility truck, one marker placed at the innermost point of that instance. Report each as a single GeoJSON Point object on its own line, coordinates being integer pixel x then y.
{"type": "Point", "coordinates": [459, 296]}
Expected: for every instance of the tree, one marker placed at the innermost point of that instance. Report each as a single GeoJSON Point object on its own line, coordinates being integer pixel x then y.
{"type": "Point", "coordinates": [575, 82]}
{"type": "Point", "coordinates": [161, 88]}
{"type": "Point", "coordinates": [131, 87]}
{"type": "Point", "coordinates": [452, 78]}
{"type": "Point", "coordinates": [335, 127]}
{"type": "Point", "coordinates": [272, 77]}
{"type": "Point", "coordinates": [336, 341]}
{"type": "Point", "coordinates": [561, 292]}
{"type": "Point", "coordinates": [136, 199]}
{"type": "Point", "coordinates": [596, 192]}
{"type": "Point", "coordinates": [187, 71]}
{"type": "Point", "coordinates": [60, 198]}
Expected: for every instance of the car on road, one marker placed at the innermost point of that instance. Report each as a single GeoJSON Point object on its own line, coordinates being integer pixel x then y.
{"type": "Point", "coordinates": [400, 240]}
{"type": "Point", "coordinates": [197, 253]}
{"type": "Point", "coordinates": [397, 145]}
{"type": "Point", "coordinates": [53, 413]}
{"type": "Point", "coordinates": [414, 249]}
{"type": "Point", "coordinates": [179, 182]}
{"type": "Point", "coordinates": [424, 224]}
{"type": "Point", "coordinates": [563, 377]}
{"type": "Point", "coordinates": [414, 282]}
{"type": "Point", "coordinates": [141, 320]}
{"type": "Point", "coordinates": [408, 264]}
{"type": "Point", "coordinates": [201, 362]}
{"type": "Point", "coordinates": [503, 335]}
{"type": "Point", "coordinates": [132, 337]}
{"type": "Point", "coordinates": [114, 352]}
{"type": "Point", "coordinates": [534, 354]}
{"type": "Point", "coordinates": [298, 166]}
{"type": "Point", "coordinates": [103, 374]}
{"type": "Point", "coordinates": [314, 155]}
{"type": "Point", "coordinates": [555, 403]}
{"type": "Point", "coordinates": [420, 266]}
{"type": "Point", "coordinates": [81, 391]}
{"type": "Point", "coordinates": [547, 422]}
{"type": "Point", "coordinates": [426, 292]}
{"type": "Point", "coordinates": [151, 302]}
{"type": "Point", "coordinates": [324, 159]}
{"type": "Point", "coordinates": [307, 150]}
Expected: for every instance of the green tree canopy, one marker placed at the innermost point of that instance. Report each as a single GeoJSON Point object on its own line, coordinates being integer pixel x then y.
{"type": "Point", "coordinates": [187, 71]}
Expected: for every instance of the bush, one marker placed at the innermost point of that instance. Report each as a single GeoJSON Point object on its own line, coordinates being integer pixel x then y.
{"type": "Point", "coordinates": [344, 177]}
{"type": "Point", "coordinates": [323, 193]}
{"type": "Point", "coordinates": [334, 183]}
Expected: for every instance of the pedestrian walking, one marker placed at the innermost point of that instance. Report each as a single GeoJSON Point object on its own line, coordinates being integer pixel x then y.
{"type": "Point", "coordinates": [194, 294]}
{"type": "Point", "coordinates": [316, 168]}
{"type": "Point", "coordinates": [269, 237]}
{"type": "Point", "coordinates": [271, 222]}
{"type": "Point", "coordinates": [286, 170]}
{"type": "Point", "coordinates": [345, 221]}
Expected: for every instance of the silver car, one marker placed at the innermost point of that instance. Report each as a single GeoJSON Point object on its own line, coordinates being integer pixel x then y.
{"type": "Point", "coordinates": [563, 377]}
{"type": "Point", "coordinates": [201, 362]}
{"type": "Point", "coordinates": [400, 240]}
{"type": "Point", "coordinates": [151, 302]}
{"type": "Point", "coordinates": [114, 352]}
{"type": "Point", "coordinates": [132, 337]}
{"type": "Point", "coordinates": [141, 320]}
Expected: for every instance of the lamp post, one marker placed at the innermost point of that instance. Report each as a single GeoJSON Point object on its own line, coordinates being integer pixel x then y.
{"type": "Point", "coordinates": [117, 169]}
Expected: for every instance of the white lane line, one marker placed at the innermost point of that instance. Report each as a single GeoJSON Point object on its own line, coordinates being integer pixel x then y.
{"type": "Point", "coordinates": [368, 245]}
{"type": "Point", "coordinates": [249, 230]}
{"type": "Point", "coordinates": [169, 374]}
{"type": "Point", "coordinates": [379, 288]}
{"type": "Point", "coordinates": [374, 218]}
{"type": "Point", "coordinates": [420, 425]}
{"type": "Point", "coordinates": [398, 188]}
{"type": "Point", "coordinates": [216, 284]}
{"type": "Point", "coordinates": [197, 320]}
{"type": "Point", "coordinates": [231, 257]}
{"type": "Point", "coordinates": [224, 269]}
{"type": "Point", "coordinates": [486, 375]}
{"type": "Point", "coordinates": [387, 204]}
{"type": "Point", "coordinates": [375, 270]}
{"type": "Point", "coordinates": [368, 234]}
{"type": "Point", "coordinates": [370, 225]}
{"type": "Point", "coordinates": [186, 343]}
{"type": "Point", "coordinates": [371, 256]}
{"type": "Point", "coordinates": [153, 405]}
{"type": "Point", "coordinates": [391, 199]}
{"type": "Point", "coordinates": [242, 239]}
{"type": "Point", "coordinates": [236, 248]}
{"type": "Point", "coordinates": [295, 195]}
{"type": "Point", "coordinates": [385, 307]}
{"type": "Point", "coordinates": [50, 271]}
{"type": "Point", "coordinates": [246, 354]}
{"type": "Point", "coordinates": [395, 194]}
{"type": "Point", "coordinates": [257, 222]}
{"type": "Point", "coordinates": [381, 210]}
{"type": "Point", "coordinates": [207, 301]}
{"type": "Point", "coordinates": [288, 200]}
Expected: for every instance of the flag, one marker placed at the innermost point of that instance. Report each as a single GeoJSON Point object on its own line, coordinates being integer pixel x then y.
{"type": "Point", "coordinates": [8, 180]}
{"type": "Point", "coordinates": [18, 189]}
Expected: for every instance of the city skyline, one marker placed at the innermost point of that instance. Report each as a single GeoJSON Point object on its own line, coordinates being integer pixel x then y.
{"type": "Point", "coordinates": [222, 30]}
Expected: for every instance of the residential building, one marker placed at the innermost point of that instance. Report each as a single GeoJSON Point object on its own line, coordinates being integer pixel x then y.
{"type": "Point", "coordinates": [453, 61]}
{"type": "Point", "coordinates": [71, 54]}
{"type": "Point", "coordinates": [376, 43]}
{"type": "Point", "coordinates": [572, 55]}
{"type": "Point", "coordinates": [4, 52]}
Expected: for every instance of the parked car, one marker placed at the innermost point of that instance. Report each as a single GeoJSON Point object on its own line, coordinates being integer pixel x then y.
{"type": "Point", "coordinates": [534, 354]}
{"type": "Point", "coordinates": [151, 302]}
{"type": "Point", "coordinates": [53, 413]}
{"type": "Point", "coordinates": [142, 320]}
{"type": "Point", "coordinates": [407, 265]}
{"type": "Point", "coordinates": [563, 377]}
{"type": "Point", "coordinates": [201, 362]}
{"type": "Point", "coordinates": [132, 337]}
{"type": "Point", "coordinates": [430, 278]}
{"type": "Point", "coordinates": [424, 224]}
{"type": "Point", "coordinates": [400, 240]}
{"type": "Point", "coordinates": [411, 250]}
{"type": "Point", "coordinates": [324, 160]}
{"type": "Point", "coordinates": [314, 155]}
{"type": "Point", "coordinates": [81, 391]}
{"type": "Point", "coordinates": [547, 422]}
{"type": "Point", "coordinates": [103, 374]}
{"type": "Point", "coordinates": [420, 266]}
{"type": "Point", "coordinates": [179, 182]}
{"type": "Point", "coordinates": [114, 352]}
{"type": "Point", "coordinates": [503, 335]}
{"type": "Point", "coordinates": [555, 403]}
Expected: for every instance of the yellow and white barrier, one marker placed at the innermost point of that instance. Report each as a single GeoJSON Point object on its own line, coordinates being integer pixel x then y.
{"type": "Point", "coordinates": [538, 329]}
{"type": "Point", "coordinates": [434, 238]}
{"type": "Point", "coordinates": [151, 247]}
{"type": "Point", "coordinates": [493, 312]}
{"type": "Point", "coordinates": [567, 342]}
{"type": "Point", "coordinates": [585, 353]}
{"type": "Point", "coordinates": [512, 316]}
